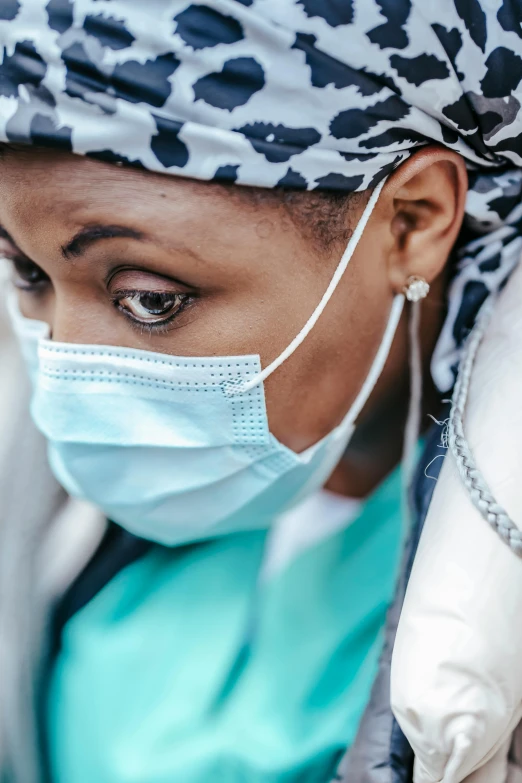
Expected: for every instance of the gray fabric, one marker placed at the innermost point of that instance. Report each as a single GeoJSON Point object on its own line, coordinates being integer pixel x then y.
{"type": "Point", "coordinates": [368, 759]}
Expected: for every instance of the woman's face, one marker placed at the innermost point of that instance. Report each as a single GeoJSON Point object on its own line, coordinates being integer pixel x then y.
{"type": "Point", "coordinates": [117, 256]}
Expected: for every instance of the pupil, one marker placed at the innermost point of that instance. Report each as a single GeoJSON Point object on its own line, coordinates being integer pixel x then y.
{"type": "Point", "coordinates": [28, 271]}
{"type": "Point", "coordinates": [155, 303]}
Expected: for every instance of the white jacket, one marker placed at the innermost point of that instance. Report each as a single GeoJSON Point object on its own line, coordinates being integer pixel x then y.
{"type": "Point", "coordinates": [456, 682]}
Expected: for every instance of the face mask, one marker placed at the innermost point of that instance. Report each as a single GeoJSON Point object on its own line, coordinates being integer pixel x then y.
{"type": "Point", "coordinates": [177, 449]}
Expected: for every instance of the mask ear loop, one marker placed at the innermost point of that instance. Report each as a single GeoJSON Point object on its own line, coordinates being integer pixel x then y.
{"type": "Point", "coordinates": [413, 421]}
{"type": "Point", "coordinates": [380, 358]}
{"type": "Point", "coordinates": [307, 328]}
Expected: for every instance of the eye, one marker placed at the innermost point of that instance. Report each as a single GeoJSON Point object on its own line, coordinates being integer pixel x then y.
{"type": "Point", "coordinates": [27, 275]}
{"type": "Point", "coordinates": [150, 307]}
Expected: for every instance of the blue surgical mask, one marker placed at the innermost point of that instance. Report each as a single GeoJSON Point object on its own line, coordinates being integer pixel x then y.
{"type": "Point", "coordinates": [178, 449]}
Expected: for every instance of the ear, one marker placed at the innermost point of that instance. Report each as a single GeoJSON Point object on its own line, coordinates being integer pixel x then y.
{"type": "Point", "coordinates": [424, 201]}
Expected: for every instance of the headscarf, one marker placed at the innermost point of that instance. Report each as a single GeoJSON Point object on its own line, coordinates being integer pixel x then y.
{"type": "Point", "coordinates": [328, 94]}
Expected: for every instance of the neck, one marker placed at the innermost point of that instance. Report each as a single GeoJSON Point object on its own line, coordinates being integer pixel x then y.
{"type": "Point", "coordinates": [375, 450]}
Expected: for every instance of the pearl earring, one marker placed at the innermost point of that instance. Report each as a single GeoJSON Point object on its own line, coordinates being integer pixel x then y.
{"type": "Point", "coordinates": [416, 288]}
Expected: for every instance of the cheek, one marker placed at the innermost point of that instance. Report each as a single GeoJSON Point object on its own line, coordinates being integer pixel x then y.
{"type": "Point", "coordinates": [308, 396]}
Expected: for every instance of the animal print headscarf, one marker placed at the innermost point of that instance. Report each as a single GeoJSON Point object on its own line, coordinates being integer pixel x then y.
{"type": "Point", "coordinates": [329, 94]}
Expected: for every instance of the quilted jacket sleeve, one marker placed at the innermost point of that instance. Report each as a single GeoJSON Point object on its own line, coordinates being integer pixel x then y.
{"type": "Point", "coordinates": [456, 680]}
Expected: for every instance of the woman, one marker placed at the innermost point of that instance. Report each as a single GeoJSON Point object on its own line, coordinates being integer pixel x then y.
{"type": "Point", "coordinates": [230, 622]}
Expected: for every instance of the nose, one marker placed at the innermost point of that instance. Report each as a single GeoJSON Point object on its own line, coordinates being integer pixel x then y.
{"type": "Point", "coordinates": [66, 322]}
{"type": "Point", "coordinates": [56, 312]}
{"type": "Point", "coordinates": [73, 316]}
{"type": "Point", "coordinates": [80, 320]}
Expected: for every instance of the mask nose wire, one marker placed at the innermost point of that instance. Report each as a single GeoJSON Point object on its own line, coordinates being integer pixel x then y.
{"type": "Point", "coordinates": [334, 282]}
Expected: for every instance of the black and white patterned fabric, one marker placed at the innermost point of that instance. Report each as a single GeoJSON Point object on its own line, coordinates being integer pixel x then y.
{"type": "Point", "coordinates": [329, 94]}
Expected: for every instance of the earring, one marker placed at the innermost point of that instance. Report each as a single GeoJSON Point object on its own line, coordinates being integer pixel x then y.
{"type": "Point", "coordinates": [416, 288]}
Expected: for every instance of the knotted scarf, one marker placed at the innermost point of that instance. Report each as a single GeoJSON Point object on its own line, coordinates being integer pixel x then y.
{"type": "Point", "coordinates": [328, 94]}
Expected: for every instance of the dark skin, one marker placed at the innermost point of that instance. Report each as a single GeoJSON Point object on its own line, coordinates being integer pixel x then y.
{"type": "Point", "coordinates": [100, 252]}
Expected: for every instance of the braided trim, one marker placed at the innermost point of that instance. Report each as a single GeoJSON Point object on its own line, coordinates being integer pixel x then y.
{"type": "Point", "coordinates": [479, 491]}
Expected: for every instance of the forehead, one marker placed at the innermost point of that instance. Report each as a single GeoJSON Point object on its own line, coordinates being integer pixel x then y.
{"type": "Point", "coordinates": [74, 179]}
{"type": "Point", "coordinates": [47, 197]}
{"type": "Point", "coordinates": [48, 187]}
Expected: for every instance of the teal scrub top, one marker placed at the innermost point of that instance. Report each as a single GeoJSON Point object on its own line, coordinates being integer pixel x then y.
{"type": "Point", "coordinates": [187, 667]}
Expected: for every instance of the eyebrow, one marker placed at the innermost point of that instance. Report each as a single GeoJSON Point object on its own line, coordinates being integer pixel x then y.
{"type": "Point", "coordinates": [87, 236]}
